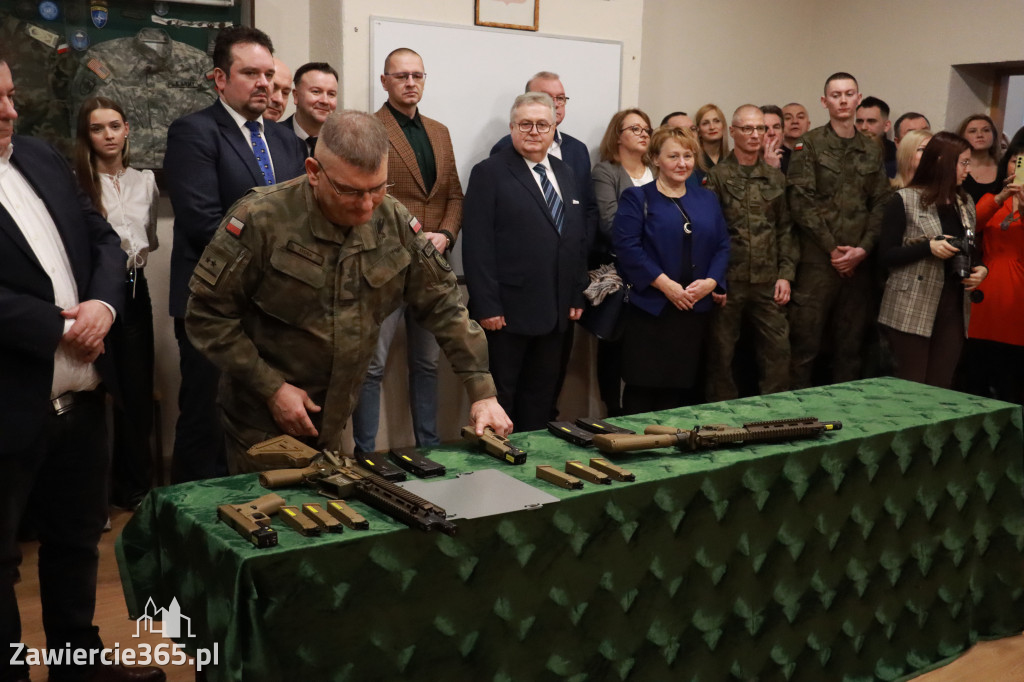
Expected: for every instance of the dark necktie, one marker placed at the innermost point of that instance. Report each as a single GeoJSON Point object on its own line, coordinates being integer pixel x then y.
{"type": "Point", "coordinates": [311, 144]}
{"type": "Point", "coordinates": [550, 196]}
{"type": "Point", "coordinates": [259, 150]}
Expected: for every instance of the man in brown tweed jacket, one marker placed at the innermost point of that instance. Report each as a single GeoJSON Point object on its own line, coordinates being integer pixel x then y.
{"type": "Point", "coordinates": [421, 166]}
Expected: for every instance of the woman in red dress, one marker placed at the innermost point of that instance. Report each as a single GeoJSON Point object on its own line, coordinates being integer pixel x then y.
{"type": "Point", "coordinates": [996, 349]}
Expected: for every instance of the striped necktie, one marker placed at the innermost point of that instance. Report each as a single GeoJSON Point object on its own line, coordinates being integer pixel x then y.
{"type": "Point", "coordinates": [550, 196]}
{"type": "Point", "coordinates": [259, 150]}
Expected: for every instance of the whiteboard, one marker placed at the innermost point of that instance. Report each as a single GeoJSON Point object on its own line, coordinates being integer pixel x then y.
{"type": "Point", "coordinates": [474, 74]}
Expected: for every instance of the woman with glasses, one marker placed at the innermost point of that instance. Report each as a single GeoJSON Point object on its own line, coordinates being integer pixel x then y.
{"type": "Point", "coordinates": [672, 247]}
{"type": "Point", "coordinates": [623, 165]}
{"type": "Point", "coordinates": [127, 198]}
{"type": "Point", "coordinates": [926, 304]}
{"type": "Point", "coordinates": [980, 132]}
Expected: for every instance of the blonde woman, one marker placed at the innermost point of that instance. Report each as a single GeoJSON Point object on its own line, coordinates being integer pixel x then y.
{"type": "Point", "coordinates": [908, 155]}
{"type": "Point", "coordinates": [711, 129]}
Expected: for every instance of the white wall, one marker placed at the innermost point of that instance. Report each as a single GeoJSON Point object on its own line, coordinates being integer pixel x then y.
{"type": "Point", "coordinates": [734, 51]}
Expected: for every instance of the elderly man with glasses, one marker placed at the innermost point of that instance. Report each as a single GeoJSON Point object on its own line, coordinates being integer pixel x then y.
{"type": "Point", "coordinates": [288, 298]}
{"type": "Point", "coordinates": [524, 250]}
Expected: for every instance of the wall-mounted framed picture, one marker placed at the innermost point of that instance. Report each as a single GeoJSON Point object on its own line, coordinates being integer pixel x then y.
{"type": "Point", "coordinates": [519, 14]}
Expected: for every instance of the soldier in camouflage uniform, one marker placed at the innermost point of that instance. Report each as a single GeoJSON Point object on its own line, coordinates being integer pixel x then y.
{"type": "Point", "coordinates": [157, 80]}
{"type": "Point", "coordinates": [762, 260]}
{"type": "Point", "coordinates": [837, 193]}
{"type": "Point", "coordinates": [288, 298]}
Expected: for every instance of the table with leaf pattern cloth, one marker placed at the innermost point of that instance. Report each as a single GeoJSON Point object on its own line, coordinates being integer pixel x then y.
{"type": "Point", "coordinates": [871, 553]}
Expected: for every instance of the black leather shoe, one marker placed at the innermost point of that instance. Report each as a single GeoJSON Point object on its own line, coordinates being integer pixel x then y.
{"type": "Point", "coordinates": [120, 673]}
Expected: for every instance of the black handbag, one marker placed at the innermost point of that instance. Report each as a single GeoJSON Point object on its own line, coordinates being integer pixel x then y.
{"type": "Point", "coordinates": [607, 321]}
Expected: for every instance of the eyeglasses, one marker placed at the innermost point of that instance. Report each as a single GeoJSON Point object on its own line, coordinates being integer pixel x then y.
{"type": "Point", "coordinates": [355, 194]}
{"type": "Point", "coordinates": [965, 164]}
{"type": "Point", "coordinates": [637, 130]}
{"type": "Point", "coordinates": [417, 76]}
{"type": "Point", "coordinates": [526, 126]}
{"type": "Point", "coordinates": [560, 100]}
{"type": "Point", "coordinates": [747, 130]}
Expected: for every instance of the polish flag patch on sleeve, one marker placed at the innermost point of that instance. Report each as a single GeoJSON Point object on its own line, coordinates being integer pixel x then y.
{"type": "Point", "coordinates": [799, 146]}
{"type": "Point", "coordinates": [415, 225]}
{"type": "Point", "coordinates": [235, 227]}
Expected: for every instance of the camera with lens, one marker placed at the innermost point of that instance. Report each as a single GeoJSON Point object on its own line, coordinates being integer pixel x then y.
{"type": "Point", "coordinates": [962, 263]}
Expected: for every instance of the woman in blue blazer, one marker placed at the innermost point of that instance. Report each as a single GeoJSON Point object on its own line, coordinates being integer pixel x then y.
{"type": "Point", "coordinates": [673, 250]}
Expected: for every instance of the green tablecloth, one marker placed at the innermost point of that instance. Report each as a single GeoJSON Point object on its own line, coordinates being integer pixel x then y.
{"type": "Point", "coordinates": [869, 553]}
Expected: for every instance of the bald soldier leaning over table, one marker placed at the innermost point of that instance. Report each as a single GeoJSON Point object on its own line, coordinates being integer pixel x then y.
{"type": "Point", "coordinates": [288, 298]}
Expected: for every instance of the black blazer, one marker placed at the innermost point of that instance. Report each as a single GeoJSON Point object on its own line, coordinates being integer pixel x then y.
{"type": "Point", "coordinates": [208, 167]}
{"type": "Point", "coordinates": [576, 154]}
{"type": "Point", "coordinates": [30, 324]}
{"type": "Point", "coordinates": [516, 262]}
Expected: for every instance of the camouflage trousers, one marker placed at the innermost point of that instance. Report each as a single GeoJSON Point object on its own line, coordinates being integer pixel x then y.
{"type": "Point", "coordinates": [756, 302]}
{"type": "Point", "coordinates": [824, 307]}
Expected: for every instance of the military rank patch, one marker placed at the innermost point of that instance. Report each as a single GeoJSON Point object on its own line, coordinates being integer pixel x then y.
{"type": "Point", "coordinates": [415, 225]}
{"type": "Point", "coordinates": [235, 226]}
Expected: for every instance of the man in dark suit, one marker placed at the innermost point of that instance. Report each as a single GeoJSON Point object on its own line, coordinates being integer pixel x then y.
{"type": "Point", "coordinates": [422, 172]}
{"type": "Point", "coordinates": [524, 251]}
{"type": "Point", "coordinates": [61, 280]}
{"type": "Point", "coordinates": [316, 96]}
{"type": "Point", "coordinates": [575, 154]}
{"type": "Point", "coordinates": [214, 156]}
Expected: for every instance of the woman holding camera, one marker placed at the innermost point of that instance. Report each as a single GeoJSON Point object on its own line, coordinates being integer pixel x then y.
{"type": "Point", "coordinates": [927, 231]}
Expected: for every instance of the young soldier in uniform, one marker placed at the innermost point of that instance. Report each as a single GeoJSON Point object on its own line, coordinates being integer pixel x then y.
{"type": "Point", "coordinates": [762, 260]}
{"type": "Point", "coordinates": [837, 192]}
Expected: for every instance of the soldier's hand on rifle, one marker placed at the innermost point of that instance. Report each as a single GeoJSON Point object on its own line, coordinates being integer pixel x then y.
{"type": "Point", "coordinates": [488, 412]}
{"type": "Point", "coordinates": [290, 406]}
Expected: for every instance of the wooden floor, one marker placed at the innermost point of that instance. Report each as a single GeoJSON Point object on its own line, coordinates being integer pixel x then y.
{"type": "Point", "coordinates": [999, 661]}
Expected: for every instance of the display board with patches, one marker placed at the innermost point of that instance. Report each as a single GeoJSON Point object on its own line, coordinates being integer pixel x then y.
{"type": "Point", "coordinates": [152, 58]}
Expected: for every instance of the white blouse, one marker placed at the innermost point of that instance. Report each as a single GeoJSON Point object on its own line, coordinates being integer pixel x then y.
{"type": "Point", "coordinates": [130, 199]}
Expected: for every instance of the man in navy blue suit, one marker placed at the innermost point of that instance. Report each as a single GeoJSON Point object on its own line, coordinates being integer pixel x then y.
{"type": "Point", "coordinates": [215, 156]}
{"type": "Point", "coordinates": [524, 250]}
{"type": "Point", "coordinates": [575, 154]}
{"type": "Point", "coordinates": [61, 281]}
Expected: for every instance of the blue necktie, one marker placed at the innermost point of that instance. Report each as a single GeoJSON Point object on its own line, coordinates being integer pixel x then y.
{"type": "Point", "coordinates": [550, 196]}
{"type": "Point", "coordinates": [259, 150]}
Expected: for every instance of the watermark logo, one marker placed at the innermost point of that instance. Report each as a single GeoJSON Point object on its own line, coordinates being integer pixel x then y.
{"type": "Point", "coordinates": [168, 622]}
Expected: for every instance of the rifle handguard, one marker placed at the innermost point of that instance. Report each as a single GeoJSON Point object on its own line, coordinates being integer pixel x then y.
{"type": "Point", "coordinates": [620, 442]}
